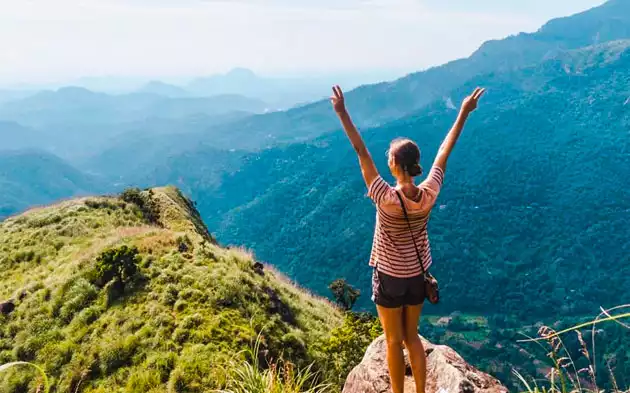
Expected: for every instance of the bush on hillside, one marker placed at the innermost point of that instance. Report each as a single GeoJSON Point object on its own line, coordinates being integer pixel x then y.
{"type": "Point", "coordinates": [184, 244]}
{"type": "Point", "coordinates": [345, 294]}
{"type": "Point", "coordinates": [346, 345]}
{"type": "Point", "coordinates": [145, 202]}
{"type": "Point", "coordinates": [119, 265]}
{"type": "Point", "coordinates": [104, 204]}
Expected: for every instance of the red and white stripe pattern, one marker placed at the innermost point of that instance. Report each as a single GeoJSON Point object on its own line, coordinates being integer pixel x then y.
{"type": "Point", "coordinates": [393, 248]}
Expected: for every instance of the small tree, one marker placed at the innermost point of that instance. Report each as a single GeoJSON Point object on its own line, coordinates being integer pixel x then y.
{"type": "Point", "coordinates": [344, 294]}
{"type": "Point", "coordinates": [117, 264]}
{"type": "Point", "coordinates": [132, 195]}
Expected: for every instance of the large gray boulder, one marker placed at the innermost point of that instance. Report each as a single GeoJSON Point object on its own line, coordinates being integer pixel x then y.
{"type": "Point", "coordinates": [447, 372]}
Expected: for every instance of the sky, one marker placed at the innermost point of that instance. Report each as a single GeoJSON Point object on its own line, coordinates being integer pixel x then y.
{"type": "Point", "coordinates": [45, 41]}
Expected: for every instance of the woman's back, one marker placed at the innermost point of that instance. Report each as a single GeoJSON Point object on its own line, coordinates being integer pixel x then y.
{"type": "Point", "coordinates": [395, 248]}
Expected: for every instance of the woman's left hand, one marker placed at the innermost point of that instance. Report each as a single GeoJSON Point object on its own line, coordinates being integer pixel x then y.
{"type": "Point", "coordinates": [338, 101]}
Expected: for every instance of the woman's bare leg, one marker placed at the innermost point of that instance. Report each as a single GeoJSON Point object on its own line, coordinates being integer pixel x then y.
{"type": "Point", "coordinates": [417, 356]}
{"type": "Point", "coordinates": [392, 322]}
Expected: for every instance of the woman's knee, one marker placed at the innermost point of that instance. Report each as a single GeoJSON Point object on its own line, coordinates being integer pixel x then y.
{"type": "Point", "coordinates": [394, 341]}
{"type": "Point", "coordinates": [411, 337]}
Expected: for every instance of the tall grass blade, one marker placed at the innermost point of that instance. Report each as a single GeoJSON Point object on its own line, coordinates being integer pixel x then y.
{"type": "Point", "coordinates": [40, 370]}
{"type": "Point", "coordinates": [580, 326]}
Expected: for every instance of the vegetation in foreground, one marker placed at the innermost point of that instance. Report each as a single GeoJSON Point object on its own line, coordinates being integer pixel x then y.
{"type": "Point", "coordinates": [567, 373]}
{"type": "Point", "coordinates": [571, 372]}
{"type": "Point", "coordinates": [132, 294]}
{"type": "Point", "coordinates": [510, 352]}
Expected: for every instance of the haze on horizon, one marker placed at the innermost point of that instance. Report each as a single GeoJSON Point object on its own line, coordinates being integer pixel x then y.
{"type": "Point", "coordinates": [56, 42]}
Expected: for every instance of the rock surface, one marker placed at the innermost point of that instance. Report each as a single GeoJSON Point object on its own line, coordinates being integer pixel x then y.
{"type": "Point", "coordinates": [447, 372]}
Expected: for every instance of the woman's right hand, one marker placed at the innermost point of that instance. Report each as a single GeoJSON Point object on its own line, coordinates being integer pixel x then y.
{"type": "Point", "coordinates": [470, 103]}
{"type": "Point", "coordinates": [338, 101]}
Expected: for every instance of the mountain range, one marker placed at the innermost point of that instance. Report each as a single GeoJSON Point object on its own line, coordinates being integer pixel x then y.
{"type": "Point", "coordinates": [74, 105]}
{"type": "Point", "coordinates": [516, 169]}
{"type": "Point", "coordinates": [563, 87]}
{"type": "Point", "coordinates": [531, 225]}
{"type": "Point", "coordinates": [551, 133]}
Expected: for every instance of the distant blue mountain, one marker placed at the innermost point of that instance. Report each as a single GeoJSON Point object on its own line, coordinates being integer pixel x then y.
{"type": "Point", "coordinates": [164, 89]}
{"type": "Point", "coordinates": [15, 136]}
{"type": "Point", "coordinates": [76, 105]}
{"type": "Point", "coordinates": [12, 95]}
{"type": "Point", "coordinates": [279, 92]}
{"type": "Point", "coordinates": [31, 177]}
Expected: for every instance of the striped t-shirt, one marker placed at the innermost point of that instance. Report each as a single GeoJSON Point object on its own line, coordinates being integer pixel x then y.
{"type": "Point", "coordinates": [392, 249]}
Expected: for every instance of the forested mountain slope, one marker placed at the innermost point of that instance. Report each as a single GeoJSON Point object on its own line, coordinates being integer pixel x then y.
{"type": "Point", "coordinates": [381, 103]}
{"type": "Point", "coordinates": [534, 198]}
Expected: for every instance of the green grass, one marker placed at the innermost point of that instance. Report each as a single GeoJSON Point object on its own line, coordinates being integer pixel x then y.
{"type": "Point", "coordinates": [575, 373]}
{"type": "Point", "coordinates": [278, 377]}
{"type": "Point", "coordinates": [184, 321]}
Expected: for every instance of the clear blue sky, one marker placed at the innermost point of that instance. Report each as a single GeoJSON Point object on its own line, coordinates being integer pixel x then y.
{"type": "Point", "coordinates": [55, 40]}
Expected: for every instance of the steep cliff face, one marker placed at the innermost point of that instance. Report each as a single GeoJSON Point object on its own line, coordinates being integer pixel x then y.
{"type": "Point", "coordinates": [447, 372]}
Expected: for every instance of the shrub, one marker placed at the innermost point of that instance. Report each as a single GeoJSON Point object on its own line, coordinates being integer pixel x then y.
{"type": "Point", "coordinates": [76, 298]}
{"type": "Point", "coordinates": [28, 344]}
{"type": "Point", "coordinates": [145, 202]}
{"type": "Point", "coordinates": [344, 294]}
{"type": "Point", "coordinates": [162, 364]}
{"type": "Point", "coordinates": [346, 345]}
{"type": "Point", "coordinates": [180, 305]}
{"type": "Point", "coordinates": [117, 264]}
{"type": "Point", "coordinates": [142, 381]}
{"type": "Point", "coordinates": [184, 244]}
{"type": "Point", "coordinates": [56, 354]}
{"type": "Point", "coordinates": [102, 204]}
{"type": "Point", "coordinates": [116, 354]}
{"type": "Point", "coordinates": [170, 295]}
{"type": "Point", "coordinates": [26, 256]}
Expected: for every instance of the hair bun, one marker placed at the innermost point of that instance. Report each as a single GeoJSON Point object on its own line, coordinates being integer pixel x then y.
{"type": "Point", "coordinates": [414, 170]}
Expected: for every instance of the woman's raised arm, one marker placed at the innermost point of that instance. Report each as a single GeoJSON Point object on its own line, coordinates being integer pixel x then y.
{"type": "Point", "coordinates": [370, 173]}
{"type": "Point", "coordinates": [468, 106]}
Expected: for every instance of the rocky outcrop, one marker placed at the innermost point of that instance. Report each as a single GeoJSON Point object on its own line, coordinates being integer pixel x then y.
{"type": "Point", "coordinates": [447, 372]}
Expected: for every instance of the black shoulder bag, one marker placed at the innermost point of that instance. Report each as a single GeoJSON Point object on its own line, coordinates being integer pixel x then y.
{"type": "Point", "coordinates": [431, 287]}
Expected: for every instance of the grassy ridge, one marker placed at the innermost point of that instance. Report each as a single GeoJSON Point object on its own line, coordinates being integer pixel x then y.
{"type": "Point", "coordinates": [189, 314]}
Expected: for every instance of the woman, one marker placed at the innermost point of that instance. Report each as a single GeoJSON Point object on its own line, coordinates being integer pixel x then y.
{"type": "Point", "coordinates": [399, 245]}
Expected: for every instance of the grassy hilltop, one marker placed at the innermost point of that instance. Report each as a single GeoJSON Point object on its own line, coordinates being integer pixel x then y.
{"type": "Point", "coordinates": [177, 323]}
